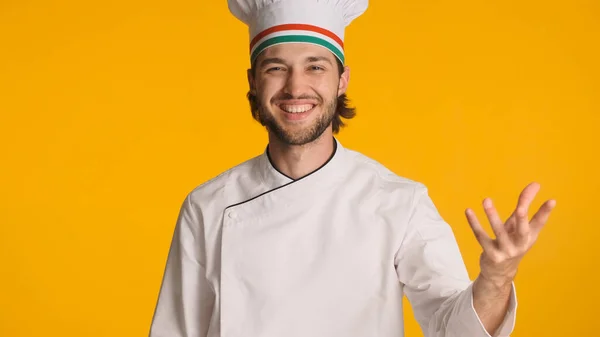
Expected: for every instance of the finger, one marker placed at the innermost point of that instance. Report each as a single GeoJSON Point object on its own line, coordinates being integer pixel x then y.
{"type": "Point", "coordinates": [527, 195]}
{"type": "Point", "coordinates": [540, 218]}
{"type": "Point", "coordinates": [522, 224]}
{"type": "Point", "coordinates": [491, 212]}
{"type": "Point", "coordinates": [525, 199]}
{"type": "Point", "coordinates": [495, 222]}
{"type": "Point", "coordinates": [484, 240]}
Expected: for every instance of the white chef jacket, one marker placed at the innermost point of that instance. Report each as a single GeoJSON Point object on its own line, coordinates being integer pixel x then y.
{"type": "Point", "coordinates": [258, 254]}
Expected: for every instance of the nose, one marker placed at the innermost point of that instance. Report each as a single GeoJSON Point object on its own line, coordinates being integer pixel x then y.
{"type": "Point", "coordinates": [295, 83]}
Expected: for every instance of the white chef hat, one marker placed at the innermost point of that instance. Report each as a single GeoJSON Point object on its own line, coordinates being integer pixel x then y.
{"type": "Point", "coordinates": [320, 22]}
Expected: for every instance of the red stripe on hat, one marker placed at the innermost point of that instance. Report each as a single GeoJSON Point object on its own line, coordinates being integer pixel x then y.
{"type": "Point", "coordinates": [294, 26]}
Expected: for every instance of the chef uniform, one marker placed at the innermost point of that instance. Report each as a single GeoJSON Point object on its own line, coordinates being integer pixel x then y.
{"type": "Point", "coordinates": [258, 254]}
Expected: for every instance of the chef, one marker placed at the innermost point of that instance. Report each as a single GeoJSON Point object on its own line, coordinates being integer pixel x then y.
{"type": "Point", "coordinates": [312, 239]}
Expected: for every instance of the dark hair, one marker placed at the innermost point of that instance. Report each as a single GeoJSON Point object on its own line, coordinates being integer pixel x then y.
{"type": "Point", "coordinates": [343, 110]}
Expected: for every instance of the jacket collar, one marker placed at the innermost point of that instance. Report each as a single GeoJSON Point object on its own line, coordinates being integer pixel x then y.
{"type": "Point", "coordinates": [282, 191]}
{"type": "Point", "coordinates": [272, 177]}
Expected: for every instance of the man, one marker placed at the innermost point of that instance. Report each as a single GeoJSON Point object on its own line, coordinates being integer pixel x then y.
{"type": "Point", "coordinates": [313, 239]}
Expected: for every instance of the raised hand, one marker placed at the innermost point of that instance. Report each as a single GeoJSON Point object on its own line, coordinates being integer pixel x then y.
{"type": "Point", "coordinates": [501, 256]}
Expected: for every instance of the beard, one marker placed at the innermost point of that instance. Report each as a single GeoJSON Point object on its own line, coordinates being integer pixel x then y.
{"type": "Point", "coordinates": [305, 135]}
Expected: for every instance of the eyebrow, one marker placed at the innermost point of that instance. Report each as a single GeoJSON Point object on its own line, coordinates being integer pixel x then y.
{"type": "Point", "coordinates": [271, 60]}
{"type": "Point", "coordinates": [278, 60]}
{"type": "Point", "coordinates": [318, 58]}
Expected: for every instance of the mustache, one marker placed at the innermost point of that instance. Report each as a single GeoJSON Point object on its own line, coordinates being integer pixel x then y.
{"type": "Point", "coordinates": [286, 97]}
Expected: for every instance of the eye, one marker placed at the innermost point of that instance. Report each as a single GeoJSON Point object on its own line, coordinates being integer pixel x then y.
{"type": "Point", "coordinates": [272, 69]}
{"type": "Point", "coordinates": [316, 68]}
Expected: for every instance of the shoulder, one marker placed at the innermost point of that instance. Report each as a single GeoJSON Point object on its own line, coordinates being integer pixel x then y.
{"type": "Point", "coordinates": [393, 195]}
{"type": "Point", "coordinates": [214, 191]}
{"type": "Point", "coordinates": [384, 180]}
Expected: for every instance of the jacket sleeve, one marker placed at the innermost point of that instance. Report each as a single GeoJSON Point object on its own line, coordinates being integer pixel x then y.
{"type": "Point", "coordinates": [186, 299]}
{"type": "Point", "coordinates": [435, 279]}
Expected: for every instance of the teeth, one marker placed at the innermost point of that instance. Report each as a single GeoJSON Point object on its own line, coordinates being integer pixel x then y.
{"type": "Point", "coordinates": [296, 108]}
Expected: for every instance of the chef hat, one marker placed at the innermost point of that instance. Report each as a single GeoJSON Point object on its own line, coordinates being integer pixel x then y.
{"type": "Point", "coordinates": [319, 22]}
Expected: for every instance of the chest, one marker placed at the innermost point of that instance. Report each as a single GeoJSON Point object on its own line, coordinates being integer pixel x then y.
{"type": "Point", "coordinates": [327, 240]}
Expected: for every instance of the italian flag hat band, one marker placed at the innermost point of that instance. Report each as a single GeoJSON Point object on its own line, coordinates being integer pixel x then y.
{"type": "Point", "coordinates": [299, 33]}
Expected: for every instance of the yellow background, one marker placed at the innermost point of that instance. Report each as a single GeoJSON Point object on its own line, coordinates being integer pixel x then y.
{"type": "Point", "coordinates": [112, 111]}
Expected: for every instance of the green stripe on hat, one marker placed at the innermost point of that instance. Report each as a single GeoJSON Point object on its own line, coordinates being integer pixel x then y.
{"type": "Point", "coordinates": [296, 38]}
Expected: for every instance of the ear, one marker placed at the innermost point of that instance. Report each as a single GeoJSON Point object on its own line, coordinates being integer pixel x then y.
{"type": "Point", "coordinates": [344, 79]}
{"type": "Point", "coordinates": [251, 81]}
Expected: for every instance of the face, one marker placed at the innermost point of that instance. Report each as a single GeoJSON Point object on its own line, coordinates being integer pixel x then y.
{"type": "Point", "coordinates": [296, 87]}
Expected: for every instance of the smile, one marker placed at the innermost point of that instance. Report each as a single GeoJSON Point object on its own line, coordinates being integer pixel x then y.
{"type": "Point", "coordinates": [296, 108]}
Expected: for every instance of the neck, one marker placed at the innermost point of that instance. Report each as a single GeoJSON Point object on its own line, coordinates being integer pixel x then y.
{"type": "Point", "coordinates": [297, 161]}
